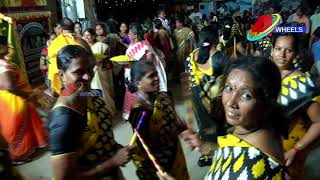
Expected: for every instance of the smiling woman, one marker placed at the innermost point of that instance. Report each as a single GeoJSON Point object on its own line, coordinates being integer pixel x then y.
{"type": "Point", "coordinates": [161, 125]}
{"type": "Point", "coordinates": [80, 135]}
{"type": "Point", "coordinates": [253, 150]}
{"type": "Point", "coordinates": [301, 102]}
{"type": "Point", "coordinates": [249, 99]}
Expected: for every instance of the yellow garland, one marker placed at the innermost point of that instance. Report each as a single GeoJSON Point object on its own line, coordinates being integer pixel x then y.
{"type": "Point", "coordinates": [9, 20]}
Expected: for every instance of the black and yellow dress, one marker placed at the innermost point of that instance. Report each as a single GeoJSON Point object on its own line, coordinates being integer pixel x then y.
{"type": "Point", "coordinates": [298, 91]}
{"type": "Point", "coordinates": [88, 135]}
{"type": "Point", "coordinates": [237, 159]}
{"type": "Point", "coordinates": [160, 132]}
{"type": "Point", "coordinates": [264, 46]}
{"type": "Point", "coordinates": [206, 86]}
{"type": "Point", "coordinates": [226, 44]}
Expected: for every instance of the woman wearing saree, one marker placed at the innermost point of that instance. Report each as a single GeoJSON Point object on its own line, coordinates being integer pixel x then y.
{"type": "Point", "coordinates": [140, 49]}
{"type": "Point", "coordinates": [123, 35]}
{"type": "Point", "coordinates": [101, 32]}
{"type": "Point", "coordinates": [161, 125]}
{"type": "Point", "coordinates": [184, 37]}
{"type": "Point", "coordinates": [103, 70]}
{"type": "Point", "coordinates": [20, 123]}
{"type": "Point", "coordinates": [300, 99]}
{"type": "Point", "coordinates": [81, 140]}
{"type": "Point", "coordinates": [253, 150]}
{"type": "Point", "coordinates": [205, 68]}
{"type": "Point", "coordinates": [161, 38]}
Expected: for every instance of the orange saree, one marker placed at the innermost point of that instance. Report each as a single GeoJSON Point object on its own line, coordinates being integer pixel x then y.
{"type": "Point", "coordinates": [20, 124]}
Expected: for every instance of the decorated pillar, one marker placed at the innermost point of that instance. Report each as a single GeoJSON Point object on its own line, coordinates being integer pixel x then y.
{"type": "Point", "coordinates": [26, 24]}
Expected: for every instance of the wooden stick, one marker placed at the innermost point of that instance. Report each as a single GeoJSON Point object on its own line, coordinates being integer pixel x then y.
{"type": "Point", "coordinates": [150, 155]}
{"type": "Point", "coordinates": [134, 136]}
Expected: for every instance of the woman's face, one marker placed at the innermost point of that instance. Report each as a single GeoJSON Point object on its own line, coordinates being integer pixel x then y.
{"type": "Point", "coordinates": [58, 30]}
{"type": "Point", "coordinates": [241, 106]}
{"type": "Point", "coordinates": [77, 29]}
{"type": "Point", "coordinates": [178, 24]}
{"type": "Point", "coordinates": [52, 37]}
{"type": "Point", "coordinates": [150, 82]}
{"type": "Point", "coordinates": [88, 37]}
{"type": "Point", "coordinates": [79, 70]}
{"type": "Point", "coordinates": [283, 52]}
{"type": "Point", "coordinates": [123, 28]}
{"type": "Point", "coordinates": [132, 36]}
{"type": "Point", "coordinates": [99, 30]}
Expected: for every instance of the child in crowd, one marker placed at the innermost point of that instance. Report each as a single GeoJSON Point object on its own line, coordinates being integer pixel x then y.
{"type": "Point", "coordinates": [44, 57]}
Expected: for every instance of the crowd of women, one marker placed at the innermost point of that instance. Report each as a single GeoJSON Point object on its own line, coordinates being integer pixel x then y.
{"type": "Point", "coordinates": [256, 104]}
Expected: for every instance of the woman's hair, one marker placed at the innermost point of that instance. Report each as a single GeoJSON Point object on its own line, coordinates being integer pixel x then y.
{"type": "Point", "coordinates": [157, 23]}
{"type": "Point", "coordinates": [91, 31]}
{"type": "Point", "coordinates": [138, 71]}
{"type": "Point", "coordinates": [125, 24]}
{"type": "Point", "coordinates": [136, 29]}
{"type": "Point", "coordinates": [50, 34]}
{"type": "Point", "coordinates": [103, 26]}
{"type": "Point", "coordinates": [70, 52]}
{"type": "Point", "coordinates": [181, 20]}
{"type": "Point", "coordinates": [267, 79]}
{"type": "Point", "coordinates": [58, 23]}
{"type": "Point", "coordinates": [208, 39]}
{"type": "Point", "coordinates": [159, 11]}
{"type": "Point", "coordinates": [78, 23]}
{"type": "Point", "coordinates": [293, 35]}
{"type": "Point", "coordinates": [67, 24]}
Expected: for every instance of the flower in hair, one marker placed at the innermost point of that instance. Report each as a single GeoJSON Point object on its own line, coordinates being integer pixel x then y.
{"type": "Point", "coordinates": [205, 44]}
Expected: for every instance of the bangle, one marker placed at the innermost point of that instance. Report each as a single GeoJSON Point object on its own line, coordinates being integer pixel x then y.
{"type": "Point", "coordinates": [296, 150]}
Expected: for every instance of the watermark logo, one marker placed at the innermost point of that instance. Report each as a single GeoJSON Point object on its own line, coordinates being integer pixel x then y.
{"type": "Point", "coordinates": [91, 93]}
{"type": "Point", "coordinates": [290, 29]}
{"type": "Point", "coordinates": [266, 25]}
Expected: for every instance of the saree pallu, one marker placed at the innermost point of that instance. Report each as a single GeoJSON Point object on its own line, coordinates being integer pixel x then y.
{"type": "Point", "coordinates": [237, 159]}
{"type": "Point", "coordinates": [160, 133]}
{"type": "Point", "coordinates": [297, 92]}
{"type": "Point", "coordinates": [206, 87]}
{"type": "Point", "coordinates": [97, 140]}
{"type": "Point", "coordinates": [183, 37]}
{"type": "Point", "coordinates": [162, 41]}
{"type": "Point", "coordinates": [20, 124]}
{"type": "Point", "coordinates": [103, 77]}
